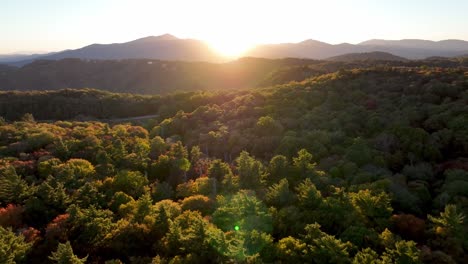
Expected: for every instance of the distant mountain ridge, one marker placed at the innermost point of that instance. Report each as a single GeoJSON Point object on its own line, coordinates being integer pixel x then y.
{"type": "Point", "coordinates": [164, 47]}
{"type": "Point", "coordinates": [170, 48]}
{"type": "Point", "coordinates": [367, 56]}
{"type": "Point", "coordinates": [6, 58]}
{"type": "Point", "coordinates": [407, 48]}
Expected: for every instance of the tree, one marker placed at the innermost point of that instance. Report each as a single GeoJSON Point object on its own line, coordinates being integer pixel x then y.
{"type": "Point", "coordinates": [189, 233]}
{"type": "Point", "coordinates": [11, 216]}
{"type": "Point", "coordinates": [160, 169]}
{"type": "Point", "coordinates": [65, 255]}
{"type": "Point", "coordinates": [130, 182]}
{"type": "Point", "coordinates": [375, 209]}
{"type": "Point", "coordinates": [28, 117]}
{"type": "Point", "coordinates": [449, 230]}
{"type": "Point", "coordinates": [180, 164]}
{"type": "Point", "coordinates": [292, 250]}
{"type": "Point", "coordinates": [258, 244]}
{"type": "Point", "coordinates": [61, 150]}
{"type": "Point", "coordinates": [404, 252]}
{"type": "Point", "coordinates": [366, 256]}
{"type": "Point", "coordinates": [250, 171]}
{"type": "Point", "coordinates": [303, 164]}
{"type": "Point", "coordinates": [309, 197]}
{"type": "Point", "coordinates": [278, 168]}
{"type": "Point", "coordinates": [118, 151]}
{"type": "Point", "coordinates": [218, 170]}
{"type": "Point", "coordinates": [243, 210]}
{"type": "Point", "coordinates": [449, 222]}
{"type": "Point", "coordinates": [50, 199]}
{"type": "Point", "coordinates": [75, 172]}
{"type": "Point", "coordinates": [13, 189]}
{"type": "Point", "coordinates": [161, 191]}
{"type": "Point", "coordinates": [13, 248]}
{"type": "Point", "coordinates": [89, 226]}
{"type": "Point", "coordinates": [279, 194]}
{"type": "Point", "coordinates": [195, 154]}
{"type": "Point", "coordinates": [267, 126]}
{"type": "Point", "coordinates": [324, 248]}
{"type": "Point", "coordinates": [199, 203]}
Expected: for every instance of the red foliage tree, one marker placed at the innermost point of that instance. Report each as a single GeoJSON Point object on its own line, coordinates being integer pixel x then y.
{"type": "Point", "coordinates": [57, 229]}
{"type": "Point", "coordinates": [31, 234]}
{"type": "Point", "coordinates": [11, 216]}
{"type": "Point", "coordinates": [409, 226]}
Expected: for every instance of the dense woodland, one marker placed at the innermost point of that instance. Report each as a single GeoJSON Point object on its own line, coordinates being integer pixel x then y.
{"type": "Point", "coordinates": [356, 166]}
{"type": "Point", "coordinates": [162, 77]}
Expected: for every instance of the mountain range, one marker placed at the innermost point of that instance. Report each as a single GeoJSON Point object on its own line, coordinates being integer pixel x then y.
{"type": "Point", "coordinates": [367, 56]}
{"type": "Point", "coordinates": [406, 48]}
{"type": "Point", "coordinates": [164, 47]}
{"type": "Point", "coordinates": [170, 48]}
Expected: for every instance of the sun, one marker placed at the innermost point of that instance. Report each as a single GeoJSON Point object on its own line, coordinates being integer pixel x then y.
{"type": "Point", "coordinates": [231, 48]}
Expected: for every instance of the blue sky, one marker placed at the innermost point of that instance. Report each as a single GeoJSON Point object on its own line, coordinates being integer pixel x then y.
{"type": "Point", "coordinates": [52, 25]}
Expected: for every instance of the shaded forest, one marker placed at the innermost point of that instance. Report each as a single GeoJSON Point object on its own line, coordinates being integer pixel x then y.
{"type": "Point", "coordinates": [163, 77]}
{"type": "Point", "coordinates": [353, 166]}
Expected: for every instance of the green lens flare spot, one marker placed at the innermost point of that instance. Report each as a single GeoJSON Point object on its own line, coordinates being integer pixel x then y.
{"type": "Point", "coordinates": [236, 228]}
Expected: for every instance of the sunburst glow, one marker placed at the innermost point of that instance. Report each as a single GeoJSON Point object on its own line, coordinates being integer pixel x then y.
{"type": "Point", "coordinates": [230, 47]}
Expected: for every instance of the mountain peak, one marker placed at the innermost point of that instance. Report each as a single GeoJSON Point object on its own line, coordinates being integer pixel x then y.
{"type": "Point", "coordinates": [166, 37]}
{"type": "Point", "coordinates": [157, 38]}
{"type": "Point", "coordinates": [313, 42]}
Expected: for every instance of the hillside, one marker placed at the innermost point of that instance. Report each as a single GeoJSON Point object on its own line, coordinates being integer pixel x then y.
{"type": "Point", "coordinates": [140, 76]}
{"type": "Point", "coordinates": [162, 77]}
{"type": "Point", "coordinates": [368, 163]}
{"type": "Point", "coordinates": [367, 56]}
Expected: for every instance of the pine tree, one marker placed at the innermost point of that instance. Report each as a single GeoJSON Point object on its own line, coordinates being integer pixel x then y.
{"type": "Point", "coordinates": [65, 255]}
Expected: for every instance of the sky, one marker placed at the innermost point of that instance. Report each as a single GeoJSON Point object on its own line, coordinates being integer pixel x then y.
{"type": "Point", "coordinates": [228, 26]}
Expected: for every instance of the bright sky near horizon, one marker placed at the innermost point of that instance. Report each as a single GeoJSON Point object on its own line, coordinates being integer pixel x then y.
{"type": "Point", "coordinates": [228, 26]}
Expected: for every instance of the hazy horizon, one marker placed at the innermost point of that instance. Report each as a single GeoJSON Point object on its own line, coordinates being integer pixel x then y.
{"type": "Point", "coordinates": [26, 52]}
{"type": "Point", "coordinates": [229, 27]}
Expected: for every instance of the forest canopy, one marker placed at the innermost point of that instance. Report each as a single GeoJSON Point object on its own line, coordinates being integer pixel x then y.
{"type": "Point", "coordinates": [362, 165]}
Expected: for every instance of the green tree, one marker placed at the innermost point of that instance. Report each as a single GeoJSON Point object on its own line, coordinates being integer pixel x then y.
{"type": "Point", "coordinates": [13, 248]}
{"type": "Point", "coordinates": [250, 171]}
{"type": "Point", "coordinates": [218, 170]}
{"type": "Point", "coordinates": [290, 249]}
{"type": "Point", "coordinates": [199, 203]}
{"type": "Point", "coordinates": [404, 252]}
{"type": "Point", "coordinates": [279, 194]}
{"type": "Point", "coordinates": [267, 126]}
{"type": "Point", "coordinates": [375, 209]}
{"type": "Point", "coordinates": [28, 117]}
{"type": "Point", "coordinates": [303, 164]}
{"type": "Point", "coordinates": [366, 256]}
{"type": "Point", "coordinates": [324, 248]}
{"type": "Point", "coordinates": [189, 233]}
{"type": "Point", "coordinates": [278, 168]}
{"type": "Point", "coordinates": [65, 255]}
{"type": "Point", "coordinates": [449, 223]}
{"type": "Point", "coordinates": [130, 182]}
{"type": "Point", "coordinates": [89, 226]}
{"type": "Point", "coordinates": [449, 230]}
{"type": "Point", "coordinates": [309, 197]}
{"type": "Point", "coordinates": [13, 189]}
{"type": "Point", "coordinates": [243, 210]}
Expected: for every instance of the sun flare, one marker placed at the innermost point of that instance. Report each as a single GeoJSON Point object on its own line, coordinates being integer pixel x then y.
{"type": "Point", "coordinates": [231, 48]}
